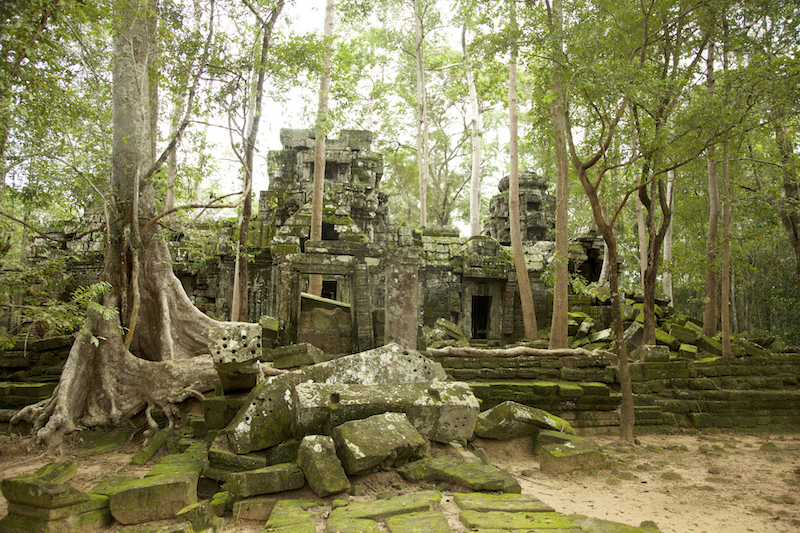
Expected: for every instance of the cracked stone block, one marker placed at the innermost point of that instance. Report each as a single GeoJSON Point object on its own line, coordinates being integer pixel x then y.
{"type": "Point", "coordinates": [451, 470]}
{"type": "Point", "coordinates": [510, 420]}
{"type": "Point", "coordinates": [442, 411]}
{"type": "Point", "coordinates": [266, 417]}
{"type": "Point", "coordinates": [269, 480]}
{"type": "Point", "coordinates": [378, 442]}
{"type": "Point", "coordinates": [322, 468]}
{"type": "Point", "coordinates": [152, 498]}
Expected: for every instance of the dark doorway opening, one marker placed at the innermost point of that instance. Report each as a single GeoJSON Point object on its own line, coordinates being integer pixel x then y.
{"type": "Point", "coordinates": [329, 232]}
{"type": "Point", "coordinates": [329, 288]}
{"type": "Point", "coordinates": [480, 316]}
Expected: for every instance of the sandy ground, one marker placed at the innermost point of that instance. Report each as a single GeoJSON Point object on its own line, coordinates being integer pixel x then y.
{"type": "Point", "coordinates": [731, 483]}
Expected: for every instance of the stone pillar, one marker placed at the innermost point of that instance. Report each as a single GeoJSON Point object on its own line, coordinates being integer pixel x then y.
{"type": "Point", "coordinates": [362, 306]}
{"type": "Point", "coordinates": [402, 271]}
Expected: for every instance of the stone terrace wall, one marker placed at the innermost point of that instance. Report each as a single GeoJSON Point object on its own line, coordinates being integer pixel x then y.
{"type": "Point", "coordinates": [748, 392]}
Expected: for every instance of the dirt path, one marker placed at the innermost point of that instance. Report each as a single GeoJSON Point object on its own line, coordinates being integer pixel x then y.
{"type": "Point", "coordinates": [700, 483]}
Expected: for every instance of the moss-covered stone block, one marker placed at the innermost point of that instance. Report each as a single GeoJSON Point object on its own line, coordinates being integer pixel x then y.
{"type": "Point", "coordinates": [469, 475]}
{"type": "Point", "coordinates": [153, 498]}
{"type": "Point", "coordinates": [269, 480]}
{"type": "Point", "coordinates": [570, 390]}
{"type": "Point", "coordinates": [254, 509]}
{"type": "Point", "coordinates": [222, 502]}
{"type": "Point", "coordinates": [430, 522]}
{"type": "Point", "coordinates": [508, 521]}
{"type": "Point", "coordinates": [565, 457]}
{"type": "Point", "coordinates": [702, 384]}
{"type": "Point", "coordinates": [320, 465]}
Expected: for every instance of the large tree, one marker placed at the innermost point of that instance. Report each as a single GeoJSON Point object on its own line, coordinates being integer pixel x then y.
{"type": "Point", "coordinates": [143, 347]}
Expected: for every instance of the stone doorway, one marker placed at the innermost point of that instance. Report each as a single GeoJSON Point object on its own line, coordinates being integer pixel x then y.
{"type": "Point", "coordinates": [481, 312]}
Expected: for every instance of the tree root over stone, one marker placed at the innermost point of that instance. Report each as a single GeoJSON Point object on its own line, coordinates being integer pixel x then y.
{"type": "Point", "coordinates": [104, 384]}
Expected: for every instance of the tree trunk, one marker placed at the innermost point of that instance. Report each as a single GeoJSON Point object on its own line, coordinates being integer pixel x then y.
{"type": "Point", "coordinates": [725, 289]}
{"type": "Point", "coordinates": [103, 383]}
{"type": "Point", "coordinates": [317, 198]}
{"type": "Point", "coordinates": [788, 210]}
{"type": "Point", "coordinates": [642, 233]}
{"type": "Point", "coordinates": [475, 126]}
{"type": "Point", "coordinates": [667, 275]}
{"type": "Point", "coordinates": [559, 324]}
{"type": "Point", "coordinates": [525, 293]}
{"type": "Point", "coordinates": [710, 312]}
{"type": "Point", "coordinates": [422, 117]}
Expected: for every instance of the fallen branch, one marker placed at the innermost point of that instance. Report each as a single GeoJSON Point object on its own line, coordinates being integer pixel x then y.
{"type": "Point", "coordinates": [516, 351]}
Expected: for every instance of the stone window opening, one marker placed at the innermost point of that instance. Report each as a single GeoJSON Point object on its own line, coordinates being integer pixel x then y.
{"type": "Point", "coordinates": [330, 289]}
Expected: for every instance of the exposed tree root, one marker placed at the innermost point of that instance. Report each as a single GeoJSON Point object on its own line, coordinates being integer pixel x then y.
{"type": "Point", "coordinates": [104, 384]}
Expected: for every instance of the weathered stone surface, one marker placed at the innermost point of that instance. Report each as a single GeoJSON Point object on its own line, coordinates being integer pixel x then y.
{"type": "Point", "coordinates": [93, 503]}
{"type": "Point", "coordinates": [597, 525]}
{"type": "Point", "coordinates": [234, 343]}
{"type": "Point", "coordinates": [181, 527]}
{"type": "Point", "coordinates": [548, 436]}
{"type": "Point", "coordinates": [84, 522]}
{"type": "Point", "coordinates": [383, 509]}
{"type": "Point", "coordinates": [296, 355]}
{"type": "Point", "coordinates": [254, 509]}
{"type": "Point", "coordinates": [566, 457]}
{"type": "Point", "coordinates": [269, 480]}
{"type": "Point", "coordinates": [29, 490]}
{"type": "Point", "coordinates": [430, 522]}
{"type": "Point", "coordinates": [222, 502]}
{"type": "Point", "coordinates": [471, 476]}
{"type": "Point", "coordinates": [221, 459]}
{"type": "Point", "coordinates": [683, 334]}
{"type": "Point", "coordinates": [651, 353]}
{"type": "Point", "coordinates": [295, 516]}
{"type": "Point", "coordinates": [510, 420]}
{"type": "Point", "coordinates": [442, 411]}
{"type": "Point", "coordinates": [152, 498]}
{"type": "Point", "coordinates": [329, 329]}
{"type": "Point", "coordinates": [710, 345]}
{"type": "Point", "coordinates": [662, 337]}
{"type": "Point", "coordinates": [501, 520]}
{"type": "Point", "coordinates": [633, 336]}
{"type": "Point", "coordinates": [191, 461]}
{"type": "Point", "coordinates": [220, 410]}
{"type": "Point", "coordinates": [380, 441]}
{"type": "Point", "coordinates": [265, 419]}
{"type": "Point", "coordinates": [320, 465]}
{"type": "Point", "coordinates": [688, 350]}
{"type": "Point", "coordinates": [518, 503]}
{"type": "Point", "coordinates": [201, 517]}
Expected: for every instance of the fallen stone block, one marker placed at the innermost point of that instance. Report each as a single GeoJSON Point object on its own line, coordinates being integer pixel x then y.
{"type": "Point", "coordinates": [321, 467]}
{"type": "Point", "coordinates": [651, 353]}
{"type": "Point", "coordinates": [222, 462]}
{"type": "Point", "coordinates": [450, 470]}
{"type": "Point", "coordinates": [234, 343]}
{"type": "Point", "coordinates": [548, 436]}
{"type": "Point", "coordinates": [254, 509]}
{"type": "Point", "coordinates": [238, 376]}
{"type": "Point", "coordinates": [510, 420]}
{"type": "Point", "coordinates": [266, 417]}
{"type": "Point", "coordinates": [662, 337]}
{"type": "Point", "coordinates": [683, 334]}
{"type": "Point", "coordinates": [516, 503]}
{"type": "Point", "coordinates": [181, 527]}
{"type": "Point", "coordinates": [296, 355]}
{"type": "Point", "coordinates": [505, 521]}
{"type": "Point", "coordinates": [688, 351]}
{"type": "Point", "coordinates": [192, 461]}
{"type": "Point", "coordinates": [561, 458]}
{"type": "Point", "coordinates": [201, 517]}
{"type": "Point", "coordinates": [430, 522]}
{"type": "Point", "coordinates": [295, 516]}
{"type": "Point", "coordinates": [269, 480]}
{"type": "Point", "coordinates": [219, 411]}
{"type": "Point", "coordinates": [94, 502]}
{"type": "Point", "coordinates": [29, 490]}
{"type": "Point", "coordinates": [442, 411]}
{"type": "Point", "coordinates": [152, 498]}
{"type": "Point", "coordinates": [633, 336]}
{"type": "Point", "coordinates": [222, 502]}
{"type": "Point", "coordinates": [378, 442]}
{"type": "Point", "coordinates": [87, 521]}
{"type": "Point", "coordinates": [382, 509]}
{"type": "Point", "coordinates": [710, 345]}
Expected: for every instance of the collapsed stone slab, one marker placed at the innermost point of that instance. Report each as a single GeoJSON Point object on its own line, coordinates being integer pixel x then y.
{"type": "Point", "coordinates": [295, 516]}
{"type": "Point", "coordinates": [472, 476]}
{"type": "Point", "coordinates": [321, 467]}
{"type": "Point", "coordinates": [269, 480]}
{"type": "Point", "coordinates": [266, 417]}
{"type": "Point", "coordinates": [236, 349]}
{"type": "Point", "coordinates": [153, 498]}
{"type": "Point", "coordinates": [510, 420]}
{"type": "Point", "coordinates": [568, 456]}
{"type": "Point", "coordinates": [378, 442]}
{"type": "Point", "coordinates": [363, 516]}
{"type": "Point", "coordinates": [516, 503]}
{"type": "Point", "coordinates": [505, 521]}
{"type": "Point", "coordinates": [442, 411]}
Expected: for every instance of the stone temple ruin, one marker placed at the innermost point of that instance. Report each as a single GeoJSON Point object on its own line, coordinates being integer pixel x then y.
{"type": "Point", "coordinates": [348, 394]}
{"type": "Point", "coordinates": [381, 281]}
